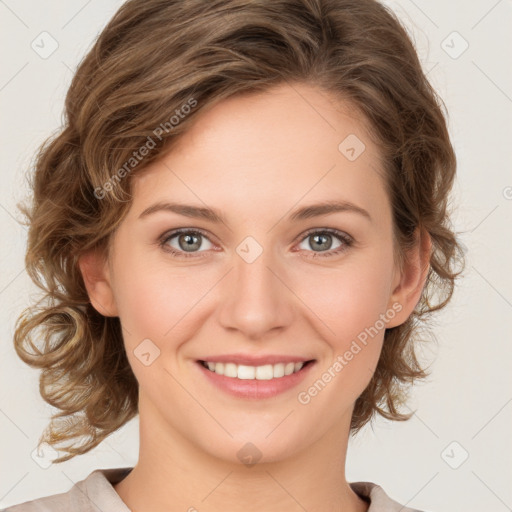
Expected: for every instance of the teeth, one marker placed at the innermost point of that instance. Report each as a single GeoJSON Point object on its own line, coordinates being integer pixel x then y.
{"type": "Point", "coordinates": [265, 372]}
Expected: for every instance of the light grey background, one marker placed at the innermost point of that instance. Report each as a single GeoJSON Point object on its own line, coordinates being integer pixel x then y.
{"type": "Point", "coordinates": [468, 397]}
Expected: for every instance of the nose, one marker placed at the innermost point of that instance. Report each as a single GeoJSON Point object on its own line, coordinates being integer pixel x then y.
{"type": "Point", "coordinates": [256, 299]}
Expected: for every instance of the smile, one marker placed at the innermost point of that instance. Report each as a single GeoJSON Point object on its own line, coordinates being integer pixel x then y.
{"type": "Point", "coordinates": [245, 372]}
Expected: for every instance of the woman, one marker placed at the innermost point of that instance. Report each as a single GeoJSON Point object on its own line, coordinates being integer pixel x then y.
{"type": "Point", "coordinates": [239, 231]}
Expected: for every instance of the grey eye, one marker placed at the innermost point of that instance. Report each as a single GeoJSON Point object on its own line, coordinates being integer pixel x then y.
{"type": "Point", "coordinates": [189, 241]}
{"type": "Point", "coordinates": [320, 241]}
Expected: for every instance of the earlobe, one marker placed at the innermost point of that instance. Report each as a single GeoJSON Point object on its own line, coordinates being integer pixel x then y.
{"type": "Point", "coordinates": [95, 273]}
{"type": "Point", "coordinates": [407, 291]}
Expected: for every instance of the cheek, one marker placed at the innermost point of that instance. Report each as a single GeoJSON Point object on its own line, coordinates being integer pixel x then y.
{"type": "Point", "coordinates": [352, 356]}
{"type": "Point", "coordinates": [350, 303]}
{"type": "Point", "coordinates": [350, 298]}
{"type": "Point", "coordinates": [159, 302]}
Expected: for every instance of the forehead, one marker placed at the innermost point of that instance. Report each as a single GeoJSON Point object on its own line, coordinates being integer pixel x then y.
{"type": "Point", "coordinates": [286, 145]}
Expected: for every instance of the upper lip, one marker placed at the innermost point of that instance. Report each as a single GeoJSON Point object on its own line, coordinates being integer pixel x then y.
{"type": "Point", "coordinates": [249, 360]}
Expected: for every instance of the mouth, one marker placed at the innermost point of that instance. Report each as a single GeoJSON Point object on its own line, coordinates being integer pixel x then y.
{"type": "Point", "coordinates": [257, 381]}
{"type": "Point", "coordinates": [250, 372]}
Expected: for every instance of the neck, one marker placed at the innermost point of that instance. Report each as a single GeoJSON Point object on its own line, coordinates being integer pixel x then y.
{"type": "Point", "coordinates": [174, 474]}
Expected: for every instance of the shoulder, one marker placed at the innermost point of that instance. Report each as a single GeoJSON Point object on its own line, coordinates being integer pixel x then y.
{"type": "Point", "coordinates": [88, 495]}
{"type": "Point", "coordinates": [378, 499]}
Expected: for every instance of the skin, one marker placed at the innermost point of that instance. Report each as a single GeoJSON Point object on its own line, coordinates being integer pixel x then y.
{"type": "Point", "coordinates": [256, 158]}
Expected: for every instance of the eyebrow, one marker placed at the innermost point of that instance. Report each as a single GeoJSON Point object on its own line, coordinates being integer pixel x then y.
{"type": "Point", "coordinates": [213, 215]}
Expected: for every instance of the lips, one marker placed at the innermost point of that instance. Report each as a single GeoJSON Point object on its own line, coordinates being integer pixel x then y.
{"type": "Point", "coordinates": [253, 377]}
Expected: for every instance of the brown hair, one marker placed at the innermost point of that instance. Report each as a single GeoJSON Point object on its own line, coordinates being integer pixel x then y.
{"type": "Point", "coordinates": [153, 58]}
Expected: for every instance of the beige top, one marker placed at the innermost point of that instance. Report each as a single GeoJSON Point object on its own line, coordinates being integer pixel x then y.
{"type": "Point", "coordinates": [97, 494]}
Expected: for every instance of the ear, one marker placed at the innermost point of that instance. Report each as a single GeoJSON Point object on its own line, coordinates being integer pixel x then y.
{"type": "Point", "coordinates": [96, 275]}
{"type": "Point", "coordinates": [409, 282]}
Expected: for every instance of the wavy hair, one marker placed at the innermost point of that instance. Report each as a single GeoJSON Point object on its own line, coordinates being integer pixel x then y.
{"type": "Point", "coordinates": [151, 59]}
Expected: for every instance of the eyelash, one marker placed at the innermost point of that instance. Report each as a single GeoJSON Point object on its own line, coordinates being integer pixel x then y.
{"type": "Point", "coordinates": [342, 237]}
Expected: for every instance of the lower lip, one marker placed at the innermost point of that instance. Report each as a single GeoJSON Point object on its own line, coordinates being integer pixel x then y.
{"type": "Point", "coordinates": [253, 388]}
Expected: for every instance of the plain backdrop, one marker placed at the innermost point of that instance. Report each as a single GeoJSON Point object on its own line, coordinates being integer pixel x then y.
{"type": "Point", "coordinates": [455, 453]}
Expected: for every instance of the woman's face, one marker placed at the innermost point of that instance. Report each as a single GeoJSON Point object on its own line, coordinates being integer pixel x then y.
{"type": "Point", "coordinates": [264, 285]}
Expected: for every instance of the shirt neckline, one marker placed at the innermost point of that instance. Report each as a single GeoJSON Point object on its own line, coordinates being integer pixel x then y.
{"type": "Point", "coordinates": [99, 486]}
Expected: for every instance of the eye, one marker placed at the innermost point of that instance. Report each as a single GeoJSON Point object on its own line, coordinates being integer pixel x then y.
{"type": "Point", "coordinates": [187, 242]}
{"type": "Point", "coordinates": [323, 240]}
